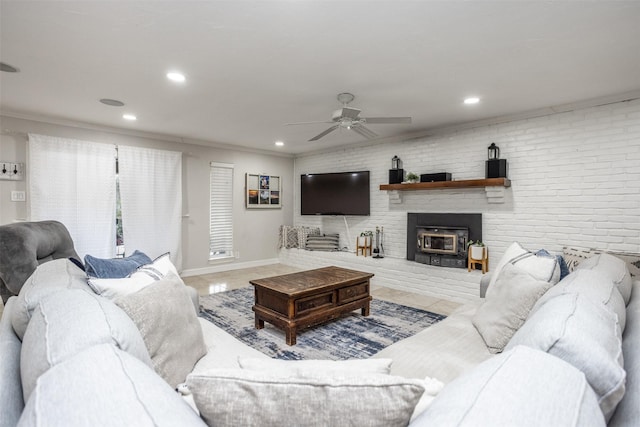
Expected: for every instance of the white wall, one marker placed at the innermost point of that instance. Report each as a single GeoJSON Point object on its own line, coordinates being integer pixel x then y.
{"type": "Point", "coordinates": [575, 181]}
{"type": "Point", "coordinates": [255, 231]}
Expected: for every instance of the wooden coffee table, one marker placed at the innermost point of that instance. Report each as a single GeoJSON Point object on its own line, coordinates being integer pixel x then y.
{"type": "Point", "coordinates": [295, 301]}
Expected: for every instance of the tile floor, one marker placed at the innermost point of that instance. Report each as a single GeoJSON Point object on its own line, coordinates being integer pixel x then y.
{"type": "Point", "coordinates": [218, 282]}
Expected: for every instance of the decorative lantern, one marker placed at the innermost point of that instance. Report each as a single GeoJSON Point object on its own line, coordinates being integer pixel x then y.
{"type": "Point", "coordinates": [496, 167]}
{"type": "Point", "coordinates": [494, 151]}
{"type": "Point", "coordinates": [396, 173]}
{"type": "Point", "coordinates": [396, 163]}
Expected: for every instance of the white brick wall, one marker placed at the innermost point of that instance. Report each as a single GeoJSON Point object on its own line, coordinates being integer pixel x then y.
{"type": "Point", "coordinates": [575, 181]}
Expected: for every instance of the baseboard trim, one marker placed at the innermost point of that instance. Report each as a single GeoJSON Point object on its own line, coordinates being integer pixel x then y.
{"type": "Point", "coordinates": [228, 267]}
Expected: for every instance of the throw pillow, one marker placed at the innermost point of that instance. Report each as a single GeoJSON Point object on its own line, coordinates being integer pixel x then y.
{"type": "Point", "coordinates": [507, 306]}
{"type": "Point", "coordinates": [139, 279]}
{"type": "Point", "coordinates": [327, 242]}
{"type": "Point", "coordinates": [584, 334]}
{"type": "Point", "coordinates": [159, 268]}
{"type": "Point", "coordinates": [240, 397]}
{"type": "Point", "coordinates": [69, 321]}
{"type": "Point", "coordinates": [612, 267]}
{"type": "Point", "coordinates": [522, 387]}
{"type": "Point", "coordinates": [573, 256]}
{"type": "Point", "coordinates": [114, 268]}
{"type": "Point", "coordinates": [304, 233]}
{"type": "Point", "coordinates": [288, 237]}
{"type": "Point", "coordinates": [169, 326]}
{"type": "Point", "coordinates": [114, 288]}
{"type": "Point", "coordinates": [300, 368]}
{"type": "Point", "coordinates": [104, 386]}
{"type": "Point", "coordinates": [541, 267]}
{"type": "Point", "coordinates": [564, 269]}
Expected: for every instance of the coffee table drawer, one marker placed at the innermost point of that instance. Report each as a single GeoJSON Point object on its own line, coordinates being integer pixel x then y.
{"type": "Point", "coordinates": [306, 305]}
{"type": "Point", "coordinates": [352, 293]}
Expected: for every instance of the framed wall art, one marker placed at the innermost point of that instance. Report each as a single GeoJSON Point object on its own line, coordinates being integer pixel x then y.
{"type": "Point", "coordinates": [263, 191]}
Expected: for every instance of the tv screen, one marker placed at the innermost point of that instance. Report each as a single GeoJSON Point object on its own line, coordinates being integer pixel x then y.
{"type": "Point", "coordinates": [343, 193]}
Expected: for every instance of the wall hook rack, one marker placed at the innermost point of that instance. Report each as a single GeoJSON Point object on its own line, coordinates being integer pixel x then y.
{"type": "Point", "coordinates": [11, 171]}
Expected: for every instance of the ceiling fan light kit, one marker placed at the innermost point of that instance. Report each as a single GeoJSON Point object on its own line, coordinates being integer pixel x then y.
{"type": "Point", "coordinates": [349, 118]}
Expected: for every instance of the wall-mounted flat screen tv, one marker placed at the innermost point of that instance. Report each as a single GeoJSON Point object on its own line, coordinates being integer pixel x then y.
{"type": "Point", "coordinates": [343, 193]}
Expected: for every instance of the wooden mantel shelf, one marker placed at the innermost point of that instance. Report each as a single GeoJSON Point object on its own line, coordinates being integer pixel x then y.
{"type": "Point", "coordinates": [466, 183]}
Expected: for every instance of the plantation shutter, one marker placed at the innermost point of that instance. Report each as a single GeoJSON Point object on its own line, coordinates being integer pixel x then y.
{"type": "Point", "coordinates": [221, 211]}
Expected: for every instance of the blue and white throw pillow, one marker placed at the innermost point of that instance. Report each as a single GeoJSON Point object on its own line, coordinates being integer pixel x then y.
{"type": "Point", "coordinates": [114, 268]}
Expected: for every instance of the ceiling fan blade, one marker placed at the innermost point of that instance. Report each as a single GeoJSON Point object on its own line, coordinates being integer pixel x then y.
{"type": "Point", "coordinates": [305, 123]}
{"type": "Point", "coordinates": [364, 131]}
{"type": "Point", "coordinates": [350, 113]}
{"type": "Point", "coordinates": [331, 129]}
{"type": "Point", "coordinates": [406, 120]}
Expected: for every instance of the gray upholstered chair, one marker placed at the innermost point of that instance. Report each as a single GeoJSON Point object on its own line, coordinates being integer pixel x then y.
{"type": "Point", "coordinates": [24, 246]}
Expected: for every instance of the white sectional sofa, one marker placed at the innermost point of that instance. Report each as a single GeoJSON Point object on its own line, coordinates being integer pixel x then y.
{"type": "Point", "coordinates": [71, 357]}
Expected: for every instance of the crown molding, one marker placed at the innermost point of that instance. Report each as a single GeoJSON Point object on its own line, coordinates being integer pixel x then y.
{"type": "Point", "coordinates": [135, 133]}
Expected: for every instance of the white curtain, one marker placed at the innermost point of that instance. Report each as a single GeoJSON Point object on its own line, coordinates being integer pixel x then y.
{"type": "Point", "coordinates": [73, 182]}
{"type": "Point", "coordinates": [151, 201]}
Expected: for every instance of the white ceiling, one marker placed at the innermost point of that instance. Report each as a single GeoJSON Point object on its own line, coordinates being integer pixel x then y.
{"type": "Point", "coordinates": [252, 66]}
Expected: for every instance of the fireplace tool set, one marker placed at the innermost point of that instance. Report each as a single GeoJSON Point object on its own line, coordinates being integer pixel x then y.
{"type": "Point", "coordinates": [378, 251]}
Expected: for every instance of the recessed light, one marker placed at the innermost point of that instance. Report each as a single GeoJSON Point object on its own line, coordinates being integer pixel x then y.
{"type": "Point", "coordinates": [176, 77]}
{"type": "Point", "coordinates": [279, 143]}
{"type": "Point", "coordinates": [129, 117]}
{"type": "Point", "coordinates": [471, 100]}
{"type": "Point", "coordinates": [112, 102]}
{"type": "Point", "coordinates": [8, 68]}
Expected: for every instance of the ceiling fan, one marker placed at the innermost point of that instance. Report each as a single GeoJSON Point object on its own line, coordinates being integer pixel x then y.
{"type": "Point", "coordinates": [349, 118]}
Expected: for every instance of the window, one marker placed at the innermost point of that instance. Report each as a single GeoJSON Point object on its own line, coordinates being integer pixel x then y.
{"type": "Point", "coordinates": [221, 211]}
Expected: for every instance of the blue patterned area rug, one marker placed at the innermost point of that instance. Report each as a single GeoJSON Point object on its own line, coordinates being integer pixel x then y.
{"type": "Point", "coordinates": [351, 336]}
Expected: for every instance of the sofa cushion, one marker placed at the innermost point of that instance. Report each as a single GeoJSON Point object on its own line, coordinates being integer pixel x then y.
{"type": "Point", "coordinates": [584, 334]}
{"type": "Point", "coordinates": [48, 278]}
{"type": "Point", "coordinates": [223, 349]}
{"type": "Point", "coordinates": [104, 386]}
{"type": "Point", "coordinates": [435, 352]}
{"type": "Point", "coordinates": [68, 322]}
{"type": "Point", "coordinates": [164, 315]}
{"type": "Point", "coordinates": [594, 285]}
{"type": "Point", "coordinates": [115, 267]}
{"type": "Point", "coordinates": [300, 368]}
{"type": "Point", "coordinates": [628, 411]}
{"type": "Point", "coordinates": [10, 383]}
{"type": "Point", "coordinates": [542, 267]}
{"type": "Point", "coordinates": [507, 306]}
{"type": "Point", "coordinates": [240, 397]}
{"type": "Point", "coordinates": [139, 279]}
{"type": "Point", "coordinates": [612, 267]}
{"type": "Point", "coordinates": [521, 387]}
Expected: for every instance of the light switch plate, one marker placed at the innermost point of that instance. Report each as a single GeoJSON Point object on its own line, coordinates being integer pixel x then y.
{"type": "Point", "coordinates": [18, 196]}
